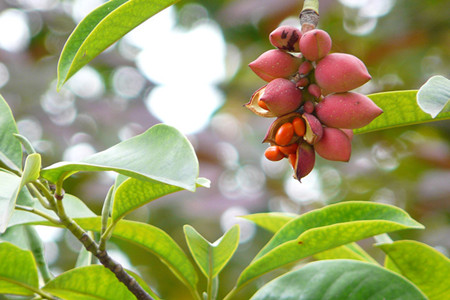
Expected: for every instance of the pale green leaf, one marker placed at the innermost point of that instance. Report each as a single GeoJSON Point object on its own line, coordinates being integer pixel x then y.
{"type": "Point", "coordinates": [101, 28]}
{"type": "Point", "coordinates": [399, 109]}
{"type": "Point", "coordinates": [212, 257]}
{"type": "Point", "coordinates": [18, 273]}
{"type": "Point", "coordinates": [31, 169]}
{"type": "Point", "coordinates": [10, 147]}
{"type": "Point", "coordinates": [88, 283]}
{"type": "Point", "coordinates": [272, 221]}
{"type": "Point", "coordinates": [423, 265]}
{"type": "Point", "coordinates": [161, 154]}
{"type": "Point", "coordinates": [339, 279]}
{"type": "Point", "coordinates": [9, 191]}
{"type": "Point", "coordinates": [434, 96]}
{"type": "Point", "coordinates": [324, 229]}
{"type": "Point", "coordinates": [349, 251]}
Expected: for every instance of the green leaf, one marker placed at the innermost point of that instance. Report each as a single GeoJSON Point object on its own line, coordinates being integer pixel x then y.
{"type": "Point", "coordinates": [88, 283]}
{"type": "Point", "coordinates": [274, 221]}
{"type": "Point", "coordinates": [101, 28]}
{"type": "Point", "coordinates": [434, 96]}
{"type": "Point", "coordinates": [9, 191]}
{"type": "Point", "coordinates": [18, 273]}
{"type": "Point", "coordinates": [349, 251]}
{"type": "Point", "coordinates": [339, 279]}
{"type": "Point", "coordinates": [212, 257]}
{"type": "Point", "coordinates": [423, 265]}
{"type": "Point", "coordinates": [154, 240]}
{"type": "Point", "coordinates": [400, 109]}
{"type": "Point", "coordinates": [31, 169]}
{"type": "Point", "coordinates": [10, 147]}
{"type": "Point", "coordinates": [144, 285]}
{"type": "Point", "coordinates": [134, 193]}
{"type": "Point", "coordinates": [75, 208]}
{"type": "Point", "coordinates": [25, 143]}
{"type": "Point", "coordinates": [161, 154]}
{"type": "Point", "coordinates": [324, 229]}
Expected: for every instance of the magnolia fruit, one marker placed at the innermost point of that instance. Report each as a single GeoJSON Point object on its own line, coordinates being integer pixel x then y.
{"type": "Point", "coordinates": [304, 160]}
{"type": "Point", "coordinates": [305, 68]}
{"type": "Point", "coordinates": [347, 110]}
{"type": "Point", "coordinates": [275, 127]}
{"type": "Point", "coordinates": [281, 96]}
{"type": "Point", "coordinates": [314, 90]}
{"type": "Point", "coordinates": [286, 38]}
{"type": "Point", "coordinates": [340, 72]}
{"type": "Point", "coordinates": [334, 145]}
{"type": "Point", "coordinates": [275, 64]}
{"type": "Point", "coordinates": [315, 44]}
{"type": "Point", "coordinates": [314, 129]}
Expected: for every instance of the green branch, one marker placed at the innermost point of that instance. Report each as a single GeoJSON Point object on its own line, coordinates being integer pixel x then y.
{"type": "Point", "coordinates": [309, 16]}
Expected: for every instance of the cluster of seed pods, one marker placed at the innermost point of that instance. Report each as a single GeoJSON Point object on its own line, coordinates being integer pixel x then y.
{"type": "Point", "coordinates": [308, 92]}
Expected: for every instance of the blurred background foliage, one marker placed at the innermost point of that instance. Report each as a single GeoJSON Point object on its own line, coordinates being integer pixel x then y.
{"type": "Point", "coordinates": [187, 67]}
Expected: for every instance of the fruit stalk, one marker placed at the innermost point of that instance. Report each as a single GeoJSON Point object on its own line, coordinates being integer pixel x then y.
{"type": "Point", "coordinates": [309, 16]}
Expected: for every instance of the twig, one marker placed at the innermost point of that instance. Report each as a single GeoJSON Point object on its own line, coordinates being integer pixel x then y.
{"type": "Point", "coordinates": [309, 16]}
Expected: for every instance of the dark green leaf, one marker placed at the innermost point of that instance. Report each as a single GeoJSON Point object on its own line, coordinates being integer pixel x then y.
{"type": "Point", "coordinates": [434, 96]}
{"type": "Point", "coordinates": [161, 154]}
{"type": "Point", "coordinates": [212, 257]}
{"type": "Point", "coordinates": [400, 109]}
{"type": "Point", "coordinates": [18, 273]}
{"type": "Point", "coordinates": [339, 279]}
{"type": "Point", "coordinates": [101, 28]}
{"type": "Point", "coordinates": [10, 147]}
{"type": "Point", "coordinates": [423, 265]}
{"type": "Point", "coordinates": [324, 229]}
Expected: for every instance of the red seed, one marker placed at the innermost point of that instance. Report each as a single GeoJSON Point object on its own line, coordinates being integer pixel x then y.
{"type": "Point", "coordinates": [291, 149]}
{"type": "Point", "coordinates": [299, 126]}
{"type": "Point", "coordinates": [284, 134]}
{"type": "Point", "coordinates": [263, 105]}
{"type": "Point", "coordinates": [273, 153]}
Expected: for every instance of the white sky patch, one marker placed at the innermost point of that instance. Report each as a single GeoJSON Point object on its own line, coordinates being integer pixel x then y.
{"type": "Point", "coordinates": [14, 32]}
{"type": "Point", "coordinates": [188, 107]}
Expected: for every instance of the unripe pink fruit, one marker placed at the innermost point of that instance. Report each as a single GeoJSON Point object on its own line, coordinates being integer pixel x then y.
{"type": "Point", "coordinates": [282, 96]}
{"type": "Point", "coordinates": [305, 68]}
{"type": "Point", "coordinates": [308, 107]}
{"type": "Point", "coordinates": [334, 145]}
{"type": "Point", "coordinates": [347, 110]}
{"type": "Point", "coordinates": [340, 72]}
{"type": "Point", "coordinates": [315, 44]}
{"type": "Point", "coordinates": [275, 64]}
{"type": "Point", "coordinates": [286, 38]}
{"type": "Point", "coordinates": [314, 90]}
{"type": "Point", "coordinates": [305, 160]}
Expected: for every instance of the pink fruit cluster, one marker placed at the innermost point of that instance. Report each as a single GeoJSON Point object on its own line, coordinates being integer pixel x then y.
{"type": "Point", "coordinates": [308, 91]}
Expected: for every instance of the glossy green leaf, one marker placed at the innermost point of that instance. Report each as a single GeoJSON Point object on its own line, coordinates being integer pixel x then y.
{"type": "Point", "coordinates": [154, 240]}
{"type": "Point", "coordinates": [434, 96]}
{"type": "Point", "coordinates": [323, 229]}
{"type": "Point", "coordinates": [88, 283]}
{"type": "Point", "coordinates": [25, 143]}
{"type": "Point", "coordinates": [399, 109]}
{"type": "Point", "coordinates": [161, 154]}
{"type": "Point", "coordinates": [133, 193]}
{"type": "Point", "coordinates": [101, 28]}
{"type": "Point", "coordinates": [273, 221]}
{"type": "Point", "coordinates": [349, 251]}
{"type": "Point", "coordinates": [18, 273]}
{"type": "Point", "coordinates": [10, 147]}
{"type": "Point", "coordinates": [212, 257]}
{"type": "Point", "coordinates": [339, 279]}
{"type": "Point", "coordinates": [423, 265]}
{"type": "Point", "coordinates": [75, 208]}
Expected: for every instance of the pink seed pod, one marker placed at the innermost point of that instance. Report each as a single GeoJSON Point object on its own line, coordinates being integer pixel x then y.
{"type": "Point", "coordinates": [314, 129]}
{"type": "Point", "coordinates": [275, 64]}
{"type": "Point", "coordinates": [347, 110]}
{"type": "Point", "coordinates": [302, 82]}
{"type": "Point", "coordinates": [286, 38]}
{"type": "Point", "coordinates": [282, 96]}
{"type": "Point", "coordinates": [349, 133]}
{"type": "Point", "coordinates": [305, 68]}
{"type": "Point", "coordinates": [315, 44]}
{"type": "Point", "coordinates": [254, 106]}
{"type": "Point", "coordinates": [340, 72]}
{"type": "Point", "coordinates": [305, 160]}
{"type": "Point", "coordinates": [314, 90]}
{"type": "Point", "coordinates": [308, 107]}
{"type": "Point", "coordinates": [334, 145]}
